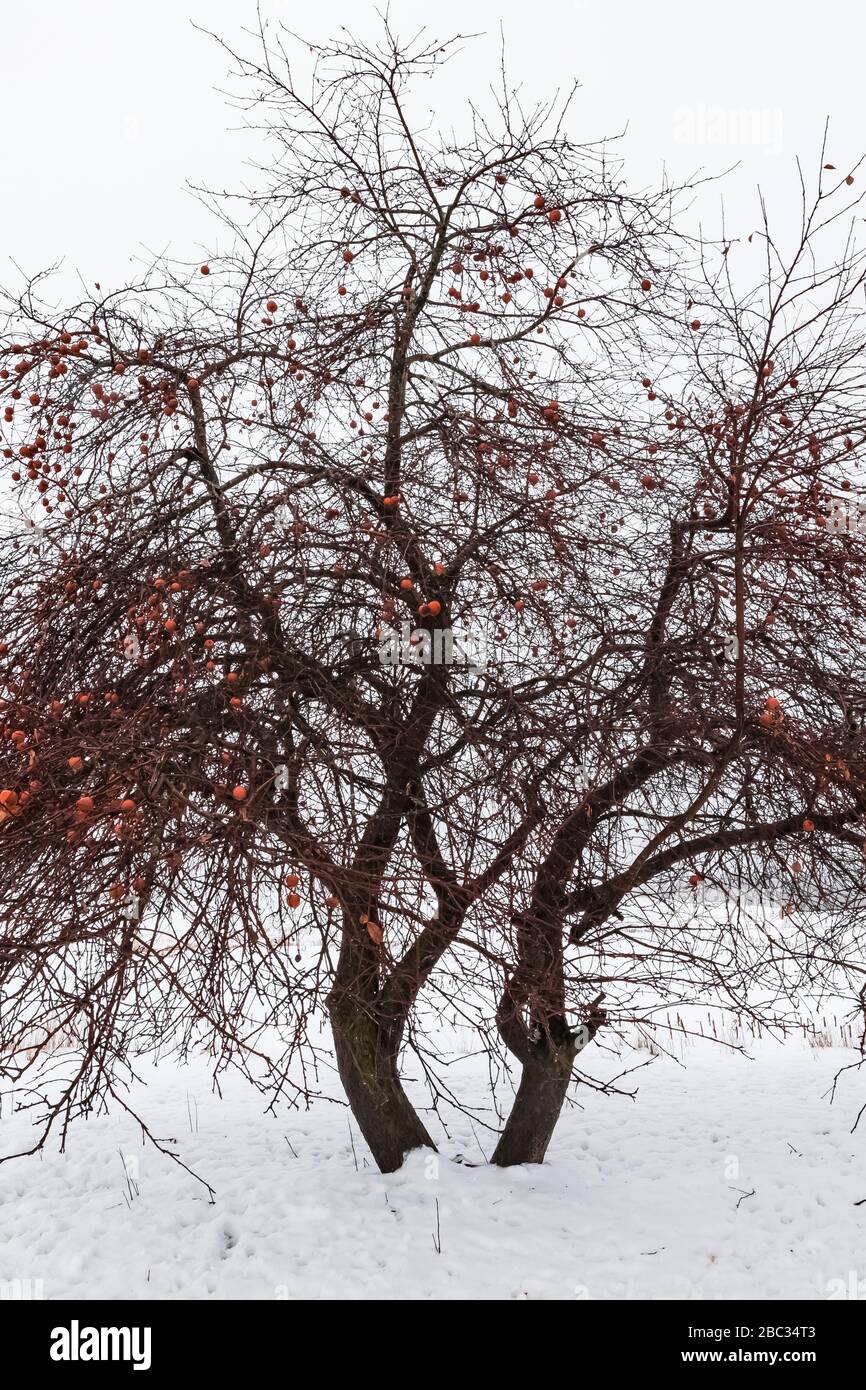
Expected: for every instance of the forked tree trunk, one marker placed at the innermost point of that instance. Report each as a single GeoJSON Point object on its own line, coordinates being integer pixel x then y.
{"type": "Point", "coordinates": [547, 1066]}
{"type": "Point", "coordinates": [537, 1105]}
{"type": "Point", "coordinates": [367, 1062]}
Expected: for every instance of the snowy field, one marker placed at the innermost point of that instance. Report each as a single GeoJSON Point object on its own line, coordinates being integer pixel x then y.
{"type": "Point", "coordinates": [723, 1178]}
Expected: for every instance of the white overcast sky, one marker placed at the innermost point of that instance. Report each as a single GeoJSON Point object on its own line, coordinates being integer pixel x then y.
{"type": "Point", "coordinates": [108, 108]}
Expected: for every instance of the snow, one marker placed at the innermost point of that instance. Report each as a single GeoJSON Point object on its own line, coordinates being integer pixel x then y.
{"type": "Point", "coordinates": [724, 1177]}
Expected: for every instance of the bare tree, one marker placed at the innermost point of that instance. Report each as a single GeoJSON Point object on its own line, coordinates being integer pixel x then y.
{"type": "Point", "coordinates": [721, 711]}
{"type": "Point", "coordinates": [367, 629]}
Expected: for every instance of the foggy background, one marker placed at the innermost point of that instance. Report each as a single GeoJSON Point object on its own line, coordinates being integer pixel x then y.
{"type": "Point", "coordinates": [109, 109]}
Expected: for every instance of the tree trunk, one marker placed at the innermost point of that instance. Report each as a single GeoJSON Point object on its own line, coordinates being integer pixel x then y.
{"type": "Point", "coordinates": [537, 1105]}
{"type": "Point", "coordinates": [367, 1062]}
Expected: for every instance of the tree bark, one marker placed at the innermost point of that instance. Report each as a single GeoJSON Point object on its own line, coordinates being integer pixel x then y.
{"type": "Point", "coordinates": [547, 1061]}
{"type": "Point", "coordinates": [367, 1055]}
{"type": "Point", "coordinates": [537, 1105]}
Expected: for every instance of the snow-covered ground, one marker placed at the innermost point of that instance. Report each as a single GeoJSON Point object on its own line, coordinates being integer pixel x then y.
{"type": "Point", "coordinates": [725, 1178]}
